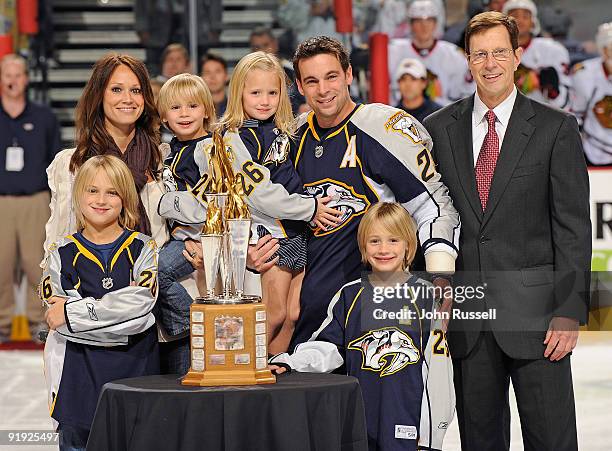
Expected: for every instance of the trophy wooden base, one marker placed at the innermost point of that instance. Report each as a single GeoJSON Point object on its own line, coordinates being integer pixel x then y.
{"type": "Point", "coordinates": [228, 345]}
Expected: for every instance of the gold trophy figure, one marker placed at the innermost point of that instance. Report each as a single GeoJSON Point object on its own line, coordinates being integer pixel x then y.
{"type": "Point", "coordinates": [227, 330]}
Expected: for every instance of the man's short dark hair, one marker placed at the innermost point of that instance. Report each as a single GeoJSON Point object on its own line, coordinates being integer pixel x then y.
{"type": "Point", "coordinates": [211, 56]}
{"type": "Point", "coordinates": [487, 20]}
{"type": "Point", "coordinates": [262, 31]}
{"type": "Point", "coordinates": [320, 45]}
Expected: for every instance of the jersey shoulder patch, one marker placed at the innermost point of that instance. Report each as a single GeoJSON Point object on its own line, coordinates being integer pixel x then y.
{"type": "Point", "coordinates": [405, 124]}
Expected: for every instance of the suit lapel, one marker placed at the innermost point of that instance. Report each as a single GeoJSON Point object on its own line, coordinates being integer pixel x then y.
{"type": "Point", "coordinates": [460, 135]}
{"type": "Point", "coordinates": [517, 136]}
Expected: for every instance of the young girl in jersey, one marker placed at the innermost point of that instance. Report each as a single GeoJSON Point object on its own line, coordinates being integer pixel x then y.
{"type": "Point", "coordinates": [100, 285]}
{"type": "Point", "coordinates": [258, 122]}
{"type": "Point", "coordinates": [186, 107]}
{"type": "Point", "coordinates": [375, 326]}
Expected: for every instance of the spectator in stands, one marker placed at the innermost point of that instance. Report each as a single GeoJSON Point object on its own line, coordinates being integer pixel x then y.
{"type": "Point", "coordinates": [307, 18]}
{"type": "Point", "coordinates": [543, 74]}
{"type": "Point", "coordinates": [161, 22]}
{"type": "Point", "coordinates": [29, 139]}
{"type": "Point", "coordinates": [592, 99]}
{"type": "Point", "coordinates": [263, 39]}
{"type": "Point", "coordinates": [411, 78]}
{"type": "Point", "coordinates": [115, 115]}
{"type": "Point", "coordinates": [174, 61]}
{"type": "Point", "coordinates": [158, 23]}
{"type": "Point", "coordinates": [448, 75]}
{"type": "Point", "coordinates": [214, 72]}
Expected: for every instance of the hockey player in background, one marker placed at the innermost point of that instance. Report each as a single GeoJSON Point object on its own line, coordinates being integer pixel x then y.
{"type": "Point", "coordinates": [543, 74]}
{"type": "Point", "coordinates": [448, 76]}
{"type": "Point", "coordinates": [591, 99]}
{"type": "Point", "coordinates": [377, 327]}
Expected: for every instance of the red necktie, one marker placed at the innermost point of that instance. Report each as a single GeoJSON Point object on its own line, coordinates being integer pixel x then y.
{"type": "Point", "coordinates": [487, 159]}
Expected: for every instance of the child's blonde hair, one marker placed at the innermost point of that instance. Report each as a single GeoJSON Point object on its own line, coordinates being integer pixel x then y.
{"type": "Point", "coordinates": [395, 220]}
{"type": "Point", "coordinates": [120, 177]}
{"type": "Point", "coordinates": [234, 114]}
{"type": "Point", "coordinates": [187, 87]}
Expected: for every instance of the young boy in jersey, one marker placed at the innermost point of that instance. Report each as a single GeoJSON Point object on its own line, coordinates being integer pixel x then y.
{"type": "Point", "coordinates": [403, 365]}
{"type": "Point", "coordinates": [259, 120]}
{"type": "Point", "coordinates": [100, 285]}
{"type": "Point", "coordinates": [186, 108]}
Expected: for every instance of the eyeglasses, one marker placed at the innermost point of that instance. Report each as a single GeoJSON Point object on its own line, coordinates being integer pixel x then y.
{"type": "Point", "coordinates": [482, 55]}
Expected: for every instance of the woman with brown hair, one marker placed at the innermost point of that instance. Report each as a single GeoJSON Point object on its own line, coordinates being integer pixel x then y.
{"type": "Point", "coordinates": [116, 115]}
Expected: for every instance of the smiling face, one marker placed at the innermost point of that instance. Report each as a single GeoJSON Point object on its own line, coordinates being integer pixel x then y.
{"type": "Point", "coordinates": [494, 79]}
{"type": "Point", "coordinates": [384, 251]}
{"type": "Point", "coordinates": [325, 86]}
{"type": "Point", "coordinates": [261, 94]}
{"type": "Point", "coordinates": [186, 119]}
{"type": "Point", "coordinates": [100, 203]}
{"type": "Point", "coordinates": [123, 102]}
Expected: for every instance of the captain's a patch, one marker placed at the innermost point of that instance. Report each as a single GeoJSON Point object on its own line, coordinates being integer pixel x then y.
{"type": "Point", "coordinates": [401, 122]}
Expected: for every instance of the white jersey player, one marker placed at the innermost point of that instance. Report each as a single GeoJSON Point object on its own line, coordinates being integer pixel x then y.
{"type": "Point", "coordinates": [448, 76]}
{"type": "Point", "coordinates": [547, 63]}
{"type": "Point", "coordinates": [543, 74]}
{"type": "Point", "coordinates": [592, 99]}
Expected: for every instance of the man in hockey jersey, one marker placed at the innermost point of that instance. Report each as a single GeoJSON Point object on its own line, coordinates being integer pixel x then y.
{"type": "Point", "coordinates": [543, 72]}
{"type": "Point", "coordinates": [359, 155]}
{"type": "Point", "coordinates": [592, 99]}
{"type": "Point", "coordinates": [377, 327]}
{"type": "Point", "coordinates": [448, 74]}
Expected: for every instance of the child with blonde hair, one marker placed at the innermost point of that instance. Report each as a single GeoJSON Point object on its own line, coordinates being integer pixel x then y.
{"type": "Point", "coordinates": [383, 327]}
{"type": "Point", "coordinates": [100, 284]}
{"type": "Point", "coordinates": [258, 122]}
{"type": "Point", "coordinates": [186, 108]}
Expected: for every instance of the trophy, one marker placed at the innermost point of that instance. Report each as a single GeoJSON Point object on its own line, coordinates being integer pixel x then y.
{"type": "Point", "coordinates": [228, 329]}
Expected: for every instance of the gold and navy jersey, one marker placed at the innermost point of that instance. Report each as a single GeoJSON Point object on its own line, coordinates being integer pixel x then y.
{"type": "Point", "coordinates": [110, 329]}
{"type": "Point", "coordinates": [265, 198]}
{"type": "Point", "coordinates": [181, 173]}
{"type": "Point", "coordinates": [270, 148]}
{"type": "Point", "coordinates": [403, 364]}
{"type": "Point", "coordinates": [378, 153]}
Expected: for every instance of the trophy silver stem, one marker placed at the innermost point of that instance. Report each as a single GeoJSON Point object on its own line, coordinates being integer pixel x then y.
{"type": "Point", "coordinates": [211, 248]}
{"type": "Point", "coordinates": [239, 232]}
{"type": "Point", "coordinates": [226, 265]}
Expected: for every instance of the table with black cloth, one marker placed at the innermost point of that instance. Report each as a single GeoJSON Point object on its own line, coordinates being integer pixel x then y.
{"type": "Point", "coordinates": [302, 411]}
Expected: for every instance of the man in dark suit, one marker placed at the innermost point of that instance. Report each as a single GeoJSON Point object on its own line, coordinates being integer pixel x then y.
{"type": "Point", "coordinates": [516, 173]}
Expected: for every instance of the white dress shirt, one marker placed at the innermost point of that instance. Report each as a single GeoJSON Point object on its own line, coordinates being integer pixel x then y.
{"type": "Point", "coordinates": [479, 121]}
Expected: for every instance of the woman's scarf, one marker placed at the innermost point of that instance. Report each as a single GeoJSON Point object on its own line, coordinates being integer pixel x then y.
{"type": "Point", "coordinates": [137, 157]}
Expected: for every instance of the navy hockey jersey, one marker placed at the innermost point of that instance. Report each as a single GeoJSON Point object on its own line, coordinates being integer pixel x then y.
{"type": "Point", "coordinates": [270, 148]}
{"type": "Point", "coordinates": [266, 199]}
{"type": "Point", "coordinates": [181, 172]}
{"type": "Point", "coordinates": [110, 331]}
{"type": "Point", "coordinates": [378, 153]}
{"type": "Point", "coordinates": [402, 363]}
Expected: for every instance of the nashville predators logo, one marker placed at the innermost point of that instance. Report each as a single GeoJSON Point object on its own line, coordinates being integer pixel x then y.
{"type": "Point", "coordinates": [344, 199]}
{"type": "Point", "coordinates": [278, 151]}
{"type": "Point", "coordinates": [404, 124]}
{"type": "Point", "coordinates": [380, 346]}
{"type": "Point", "coordinates": [603, 112]}
{"type": "Point", "coordinates": [168, 179]}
